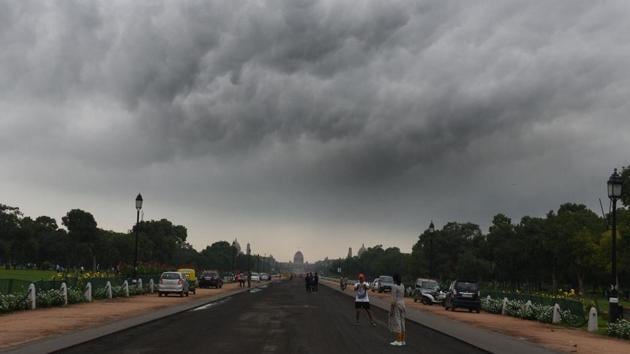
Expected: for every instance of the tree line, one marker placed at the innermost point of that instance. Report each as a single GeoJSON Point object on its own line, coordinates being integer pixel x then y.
{"type": "Point", "coordinates": [78, 243]}
{"type": "Point", "coordinates": [568, 248]}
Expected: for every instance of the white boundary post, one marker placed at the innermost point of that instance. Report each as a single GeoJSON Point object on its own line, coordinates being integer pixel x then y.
{"type": "Point", "coordinates": [88, 292]}
{"type": "Point", "coordinates": [139, 285]}
{"type": "Point", "coordinates": [125, 288]}
{"type": "Point", "coordinates": [592, 320]}
{"type": "Point", "coordinates": [556, 318]}
{"type": "Point", "coordinates": [64, 293]}
{"type": "Point", "coordinates": [108, 290]}
{"type": "Point", "coordinates": [504, 307]}
{"type": "Point", "coordinates": [32, 296]}
{"type": "Point", "coordinates": [151, 286]}
{"type": "Point", "coordinates": [528, 306]}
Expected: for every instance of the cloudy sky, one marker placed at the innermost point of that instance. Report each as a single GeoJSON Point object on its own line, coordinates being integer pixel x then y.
{"type": "Point", "coordinates": [311, 124]}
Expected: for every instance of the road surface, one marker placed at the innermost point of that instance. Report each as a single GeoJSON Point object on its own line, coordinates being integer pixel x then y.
{"type": "Point", "coordinates": [281, 318]}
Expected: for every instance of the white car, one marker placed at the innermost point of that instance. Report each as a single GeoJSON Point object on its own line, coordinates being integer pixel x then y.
{"type": "Point", "coordinates": [173, 283]}
{"type": "Point", "coordinates": [374, 285]}
{"type": "Point", "coordinates": [264, 276]}
{"type": "Point", "coordinates": [255, 276]}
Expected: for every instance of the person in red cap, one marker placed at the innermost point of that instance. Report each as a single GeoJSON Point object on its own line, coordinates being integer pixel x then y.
{"type": "Point", "coordinates": [361, 299]}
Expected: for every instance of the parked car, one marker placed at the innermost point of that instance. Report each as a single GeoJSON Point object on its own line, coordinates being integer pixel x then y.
{"type": "Point", "coordinates": [265, 277]}
{"type": "Point", "coordinates": [463, 294]}
{"type": "Point", "coordinates": [374, 285]}
{"type": "Point", "coordinates": [428, 292]}
{"type": "Point", "coordinates": [255, 276]}
{"type": "Point", "coordinates": [173, 282]}
{"type": "Point", "coordinates": [210, 279]}
{"type": "Point", "coordinates": [385, 283]}
{"type": "Point", "coordinates": [191, 277]}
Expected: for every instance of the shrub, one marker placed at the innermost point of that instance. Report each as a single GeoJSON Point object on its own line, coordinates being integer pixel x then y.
{"type": "Point", "coordinates": [49, 298]}
{"type": "Point", "coordinates": [100, 293]}
{"type": "Point", "coordinates": [536, 312]}
{"type": "Point", "coordinates": [134, 290]}
{"type": "Point", "coordinates": [542, 313]}
{"type": "Point", "coordinates": [619, 329]}
{"type": "Point", "coordinates": [10, 303]}
{"type": "Point", "coordinates": [491, 305]}
{"type": "Point", "coordinates": [75, 296]}
{"type": "Point", "coordinates": [117, 291]}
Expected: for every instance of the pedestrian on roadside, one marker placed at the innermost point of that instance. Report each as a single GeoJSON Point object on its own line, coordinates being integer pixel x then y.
{"type": "Point", "coordinates": [361, 299]}
{"type": "Point", "coordinates": [249, 279]}
{"type": "Point", "coordinates": [397, 312]}
{"type": "Point", "coordinates": [316, 282]}
{"type": "Point", "coordinates": [307, 282]}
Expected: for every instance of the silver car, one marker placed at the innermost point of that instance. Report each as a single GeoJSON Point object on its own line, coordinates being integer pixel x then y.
{"type": "Point", "coordinates": [173, 282]}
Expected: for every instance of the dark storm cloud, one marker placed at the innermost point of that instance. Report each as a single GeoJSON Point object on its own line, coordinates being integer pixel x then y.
{"type": "Point", "coordinates": [304, 100]}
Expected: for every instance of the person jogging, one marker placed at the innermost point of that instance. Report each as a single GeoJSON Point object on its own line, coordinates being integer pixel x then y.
{"type": "Point", "coordinates": [397, 312]}
{"type": "Point", "coordinates": [361, 299]}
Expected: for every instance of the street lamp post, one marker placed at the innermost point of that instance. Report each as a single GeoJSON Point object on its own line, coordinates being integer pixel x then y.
{"type": "Point", "coordinates": [249, 264]}
{"type": "Point", "coordinates": [233, 255]}
{"type": "Point", "coordinates": [615, 183]}
{"type": "Point", "coordinates": [138, 207]}
{"type": "Point", "coordinates": [431, 229]}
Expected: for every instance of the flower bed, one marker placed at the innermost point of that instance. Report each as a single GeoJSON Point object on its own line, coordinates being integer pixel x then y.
{"type": "Point", "coordinates": [619, 329]}
{"type": "Point", "coordinates": [536, 312]}
{"type": "Point", "coordinates": [49, 298]}
{"type": "Point", "coordinates": [12, 302]}
{"type": "Point", "coordinates": [52, 297]}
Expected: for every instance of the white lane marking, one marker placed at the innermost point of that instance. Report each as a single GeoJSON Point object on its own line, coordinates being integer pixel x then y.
{"type": "Point", "coordinates": [212, 304]}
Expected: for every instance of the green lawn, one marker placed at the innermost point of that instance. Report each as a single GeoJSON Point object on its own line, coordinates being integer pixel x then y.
{"type": "Point", "coordinates": [29, 275]}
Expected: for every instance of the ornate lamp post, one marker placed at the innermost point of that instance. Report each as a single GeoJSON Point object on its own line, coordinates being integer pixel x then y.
{"type": "Point", "coordinates": [233, 255]}
{"type": "Point", "coordinates": [615, 183]}
{"type": "Point", "coordinates": [138, 207]}
{"type": "Point", "coordinates": [431, 230]}
{"type": "Point", "coordinates": [249, 264]}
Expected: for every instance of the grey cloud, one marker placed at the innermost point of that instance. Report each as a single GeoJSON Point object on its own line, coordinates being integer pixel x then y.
{"type": "Point", "coordinates": [315, 104]}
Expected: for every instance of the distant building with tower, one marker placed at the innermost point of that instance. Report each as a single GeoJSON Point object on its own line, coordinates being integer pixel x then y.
{"type": "Point", "coordinates": [361, 250]}
{"type": "Point", "coordinates": [349, 252]}
{"type": "Point", "coordinates": [237, 245]}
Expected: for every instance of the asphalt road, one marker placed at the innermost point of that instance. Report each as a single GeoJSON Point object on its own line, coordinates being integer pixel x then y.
{"type": "Point", "coordinates": [281, 318]}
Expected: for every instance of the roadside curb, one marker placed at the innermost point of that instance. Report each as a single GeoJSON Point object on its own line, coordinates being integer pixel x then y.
{"type": "Point", "coordinates": [64, 341]}
{"type": "Point", "coordinates": [483, 339]}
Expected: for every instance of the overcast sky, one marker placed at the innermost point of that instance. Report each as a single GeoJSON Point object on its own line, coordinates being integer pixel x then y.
{"type": "Point", "coordinates": [311, 124]}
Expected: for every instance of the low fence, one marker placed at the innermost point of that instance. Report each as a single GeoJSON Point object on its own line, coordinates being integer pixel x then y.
{"type": "Point", "coordinates": [577, 307]}
{"type": "Point", "coordinates": [21, 295]}
{"type": "Point", "coordinates": [13, 286]}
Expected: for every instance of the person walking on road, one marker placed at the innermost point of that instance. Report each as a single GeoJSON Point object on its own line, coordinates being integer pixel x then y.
{"type": "Point", "coordinates": [397, 312]}
{"type": "Point", "coordinates": [361, 299]}
{"type": "Point", "coordinates": [307, 282]}
{"type": "Point", "coordinates": [316, 282]}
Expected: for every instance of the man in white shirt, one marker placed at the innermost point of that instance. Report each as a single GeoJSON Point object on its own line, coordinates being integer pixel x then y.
{"type": "Point", "coordinates": [361, 299]}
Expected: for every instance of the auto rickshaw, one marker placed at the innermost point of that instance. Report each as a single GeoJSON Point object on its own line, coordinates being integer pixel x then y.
{"type": "Point", "coordinates": [191, 277]}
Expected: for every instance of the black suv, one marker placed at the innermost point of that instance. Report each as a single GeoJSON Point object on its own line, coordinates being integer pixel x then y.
{"type": "Point", "coordinates": [463, 294]}
{"type": "Point", "coordinates": [210, 279]}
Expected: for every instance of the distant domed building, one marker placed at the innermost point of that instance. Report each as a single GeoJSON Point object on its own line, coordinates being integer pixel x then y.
{"type": "Point", "coordinates": [298, 263]}
{"type": "Point", "coordinates": [298, 258]}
